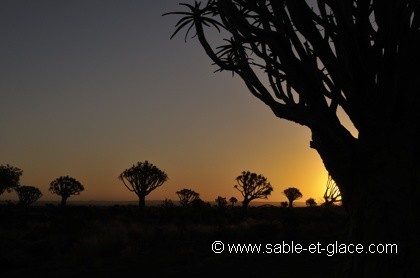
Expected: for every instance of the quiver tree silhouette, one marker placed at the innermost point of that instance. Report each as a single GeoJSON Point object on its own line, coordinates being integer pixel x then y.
{"type": "Point", "coordinates": [187, 197]}
{"type": "Point", "coordinates": [65, 187]}
{"type": "Point", "coordinates": [332, 193]}
{"type": "Point", "coordinates": [310, 202]}
{"type": "Point", "coordinates": [252, 186]}
{"type": "Point", "coordinates": [9, 177]}
{"type": "Point", "coordinates": [292, 194]}
{"type": "Point", "coordinates": [142, 178]}
{"type": "Point", "coordinates": [316, 62]}
{"type": "Point", "coordinates": [27, 194]}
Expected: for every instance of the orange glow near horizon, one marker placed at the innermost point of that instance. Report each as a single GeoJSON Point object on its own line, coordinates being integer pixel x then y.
{"type": "Point", "coordinates": [211, 173]}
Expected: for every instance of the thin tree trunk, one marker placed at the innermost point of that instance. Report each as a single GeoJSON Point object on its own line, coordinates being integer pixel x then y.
{"type": "Point", "coordinates": [142, 202]}
{"type": "Point", "coordinates": [63, 201]}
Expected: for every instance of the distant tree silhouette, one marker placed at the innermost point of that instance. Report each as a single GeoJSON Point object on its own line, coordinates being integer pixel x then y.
{"type": "Point", "coordinates": [9, 177]}
{"type": "Point", "coordinates": [167, 203]}
{"type": "Point", "coordinates": [332, 193]}
{"type": "Point", "coordinates": [27, 194]}
{"type": "Point", "coordinates": [142, 178]}
{"type": "Point", "coordinates": [311, 202]}
{"type": "Point", "coordinates": [187, 196]}
{"type": "Point", "coordinates": [65, 187]}
{"type": "Point", "coordinates": [221, 202]}
{"type": "Point", "coordinates": [292, 194]}
{"type": "Point", "coordinates": [284, 204]}
{"type": "Point", "coordinates": [252, 186]}
{"type": "Point", "coordinates": [233, 201]}
{"type": "Point", "coordinates": [316, 63]}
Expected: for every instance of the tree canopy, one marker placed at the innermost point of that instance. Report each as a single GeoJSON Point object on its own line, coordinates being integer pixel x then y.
{"type": "Point", "coordinates": [66, 186]}
{"type": "Point", "coordinates": [9, 177]}
{"type": "Point", "coordinates": [316, 56]}
{"type": "Point", "coordinates": [142, 178]}
{"type": "Point", "coordinates": [310, 202]}
{"type": "Point", "coordinates": [28, 194]}
{"type": "Point", "coordinates": [233, 201]}
{"type": "Point", "coordinates": [187, 196]}
{"type": "Point", "coordinates": [252, 186]}
{"type": "Point", "coordinates": [292, 194]}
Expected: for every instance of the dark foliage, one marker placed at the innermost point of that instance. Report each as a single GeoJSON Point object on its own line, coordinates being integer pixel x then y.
{"type": "Point", "coordinates": [28, 194]}
{"type": "Point", "coordinates": [252, 186]}
{"type": "Point", "coordinates": [65, 187]}
{"type": "Point", "coordinates": [142, 178]}
{"type": "Point", "coordinates": [9, 177]}
{"type": "Point", "coordinates": [188, 196]}
{"type": "Point", "coordinates": [310, 202]}
{"type": "Point", "coordinates": [292, 194]}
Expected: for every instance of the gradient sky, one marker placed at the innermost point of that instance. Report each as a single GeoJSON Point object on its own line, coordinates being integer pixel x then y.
{"type": "Point", "coordinates": [88, 88]}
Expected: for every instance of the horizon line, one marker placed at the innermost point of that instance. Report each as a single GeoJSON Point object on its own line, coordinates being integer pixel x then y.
{"type": "Point", "coordinates": [158, 201]}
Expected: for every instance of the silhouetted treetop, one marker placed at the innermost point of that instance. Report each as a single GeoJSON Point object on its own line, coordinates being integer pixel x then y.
{"type": "Point", "coordinates": [66, 186]}
{"type": "Point", "coordinates": [221, 202]}
{"type": "Point", "coordinates": [310, 202]}
{"type": "Point", "coordinates": [316, 57]}
{"type": "Point", "coordinates": [233, 201]}
{"type": "Point", "coordinates": [292, 194]}
{"type": "Point", "coordinates": [142, 178]}
{"type": "Point", "coordinates": [9, 177]}
{"type": "Point", "coordinates": [144, 174]}
{"type": "Point", "coordinates": [27, 194]}
{"type": "Point", "coordinates": [252, 186]}
{"type": "Point", "coordinates": [187, 196]}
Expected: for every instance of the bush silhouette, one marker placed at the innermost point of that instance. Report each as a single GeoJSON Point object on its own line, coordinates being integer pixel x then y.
{"type": "Point", "coordinates": [233, 201]}
{"type": "Point", "coordinates": [284, 204]}
{"type": "Point", "coordinates": [311, 202]}
{"type": "Point", "coordinates": [221, 202]}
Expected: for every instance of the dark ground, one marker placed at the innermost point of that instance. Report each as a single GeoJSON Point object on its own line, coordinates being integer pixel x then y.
{"type": "Point", "coordinates": [50, 241]}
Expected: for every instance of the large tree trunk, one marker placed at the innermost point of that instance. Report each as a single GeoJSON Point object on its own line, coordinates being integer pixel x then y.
{"type": "Point", "coordinates": [379, 180]}
{"type": "Point", "coordinates": [383, 218]}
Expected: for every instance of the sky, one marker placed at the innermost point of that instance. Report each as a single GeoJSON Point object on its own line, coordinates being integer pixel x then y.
{"type": "Point", "coordinates": [89, 88]}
